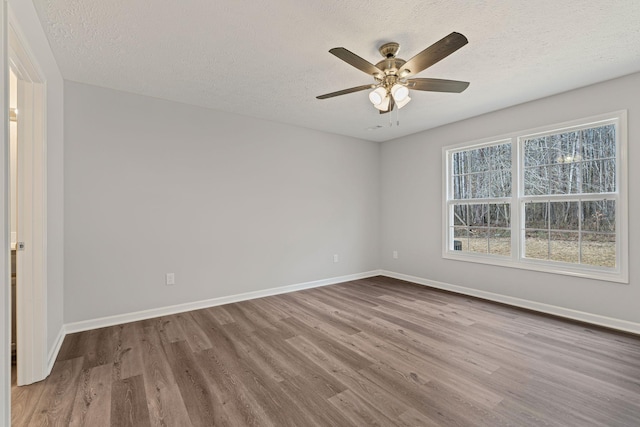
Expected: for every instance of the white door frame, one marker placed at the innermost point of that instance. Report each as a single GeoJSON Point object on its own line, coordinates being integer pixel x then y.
{"type": "Point", "coordinates": [5, 266]}
{"type": "Point", "coordinates": [31, 306]}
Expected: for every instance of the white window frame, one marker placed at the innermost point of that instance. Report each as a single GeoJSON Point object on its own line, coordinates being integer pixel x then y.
{"type": "Point", "coordinates": [619, 274]}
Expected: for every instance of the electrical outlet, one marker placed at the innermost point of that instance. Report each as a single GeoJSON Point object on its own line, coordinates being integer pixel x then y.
{"type": "Point", "coordinates": [336, 258]}
{"type": "Point", "coordinates": [395, 254]}
{"type": "Point", "coordinates": [170, 279]}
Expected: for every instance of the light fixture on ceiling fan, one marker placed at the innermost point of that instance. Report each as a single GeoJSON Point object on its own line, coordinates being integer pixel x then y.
{"type": "Point", "coordinates": [382, 96]}
{"type": "Point", "coordinates": [391, 87]}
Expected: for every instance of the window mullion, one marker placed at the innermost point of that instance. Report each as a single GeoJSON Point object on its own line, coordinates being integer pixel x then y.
{"type": "Point", "coordinates": [517, 188]}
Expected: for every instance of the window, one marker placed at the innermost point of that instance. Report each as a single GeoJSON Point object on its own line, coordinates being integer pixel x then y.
{"type": "Point", "coordinates": [481, 209]}
{"type": "Point", "coordinates": [549, 200]}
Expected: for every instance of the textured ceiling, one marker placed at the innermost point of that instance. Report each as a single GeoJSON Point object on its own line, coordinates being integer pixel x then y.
{"type": "Point", "coordinates": [269, 59]}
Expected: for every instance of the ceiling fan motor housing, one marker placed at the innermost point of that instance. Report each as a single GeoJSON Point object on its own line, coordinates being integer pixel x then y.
{"type": "Point", "coordinates": [390, 66]}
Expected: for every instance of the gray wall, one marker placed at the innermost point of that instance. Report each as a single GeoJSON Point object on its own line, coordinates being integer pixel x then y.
{"type": "Point", "coordinates": [411, 200]}
{"type": "Point", "coordinates": [233, 204]}
{"type": "Point", "coordinates": [230, 204]}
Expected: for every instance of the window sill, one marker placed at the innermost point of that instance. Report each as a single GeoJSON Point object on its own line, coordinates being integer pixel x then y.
{"type": "Point", "coordinates": [594, 273]}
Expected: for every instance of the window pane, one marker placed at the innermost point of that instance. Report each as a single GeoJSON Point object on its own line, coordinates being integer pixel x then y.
{"type": "Point", "coordinates": [480, 159]}
{"type": "Point", "coordinates": [500, 241]}
{"type": "Point", "coordinates": [564, 216]}
{"type": "Point", "coordinates": [564, 178]}
{"type": "Point", "coordinates": [460, 187]}
{"type": "Point", "coordinates": [482, 172]}
{"type": "Point", "coordinates": [461, 239]}
{"type": "Point", "coordinates": [536, 181]}
{"type": "Point", "coordinates": [556, 179]}
{"type": "Point", "coordinates": [460, 215]}
{"type": "Point", "coordinates": [500, 183]}
{"type": "Point", "coordinates": [479, 215]}
{"type": "Point", "coordinates": [571, 177]}
{"type": "Point", "coordinates": [478, 185]}
{"type": "Point", "coordinates": [536, 215]}
{"type": "Point", "coordinates": [460, 163]}
{"type": "Point", "coordinates": [536, 152]}
{"type": "Point", "coordinates": [536, 244]}
{"type": "Point", "coordinates": [564, 247]}
{"type": "Point", "coordinates": [599, 143]}
{"type": "Point", "coordinates": [599, 216]}
{"type": "Point", "coordinates": [501, 157]}
{"type": "Point", "coordinates": [479, 240]}
{"type": "Point", "coordinates": [599, 249]}
{"type": "Point", "coordinates": [500, 215]}
{"type": "Point", "coordinates": [599, 176]}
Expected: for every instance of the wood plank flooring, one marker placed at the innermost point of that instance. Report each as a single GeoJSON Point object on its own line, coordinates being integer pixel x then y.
{"type": "Point", "coordinates": [373, 352]}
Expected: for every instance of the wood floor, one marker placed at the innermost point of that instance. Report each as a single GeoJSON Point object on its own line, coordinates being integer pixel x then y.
{"type": "Point", "coordinates": [370, 352]}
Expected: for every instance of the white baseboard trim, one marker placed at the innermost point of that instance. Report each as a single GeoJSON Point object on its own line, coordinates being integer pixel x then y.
{"type": "Point", "coordinates": [594, 319]}
{"type": "Point", "coordinates": [53, 352]}
{"type": "Point", "coordinates": [86, 325]}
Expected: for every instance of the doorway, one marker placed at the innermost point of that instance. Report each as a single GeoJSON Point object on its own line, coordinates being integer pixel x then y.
{"type": "Point", "coordinates": [27, 208]}
{"type": "Point", "coordinates": [13, 200]}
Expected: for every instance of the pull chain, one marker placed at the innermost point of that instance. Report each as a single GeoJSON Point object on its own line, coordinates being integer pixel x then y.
{"type": "Point", "coordinates": [391, 118]}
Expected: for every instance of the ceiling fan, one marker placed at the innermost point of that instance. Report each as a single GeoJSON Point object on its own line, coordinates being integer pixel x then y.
{"type": "Point", "coordinates": [391, 87]}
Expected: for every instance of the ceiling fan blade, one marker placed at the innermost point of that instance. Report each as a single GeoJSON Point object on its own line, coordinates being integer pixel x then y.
{"type": "Point", "coordinates": [434, 53]}
{"type": "Point", "coordinates": [437, 85]}
{"type": "Point", "coordinates": [354, 60]}
{"type": "Point", "coordinates": [345, 91]}
{"type": "Point", "coordinates": [392, 104]}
